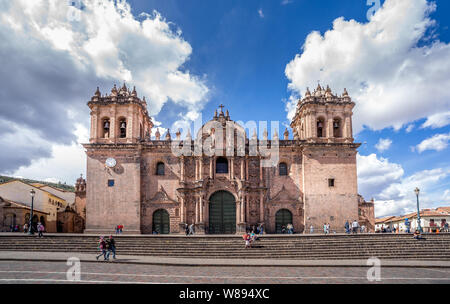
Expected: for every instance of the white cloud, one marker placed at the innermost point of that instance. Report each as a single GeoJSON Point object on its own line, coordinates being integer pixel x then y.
{"type": "Point", "coordinates": [285, 2]}
{"type": "Point", "coordinates": [58, 54]}
{"type": "Point", "coordinates": [374, 175]}
{"type": "Point", "coordinates": [392, 80]}
{"type": "Point", "coordinates": [438, 142]}
{"type": "Point", "coordinates": [65, 164]}
{"type": "Point", "coordinates": [393, 192]}
{"type": "Point", "coordinates": [437, 120]}
{"type": "Point", "coordinates": [409, 128]}
{"type": "Point", "coordinates": [260, 13]}
{"type": "Point", "coordinates": [383, 144]}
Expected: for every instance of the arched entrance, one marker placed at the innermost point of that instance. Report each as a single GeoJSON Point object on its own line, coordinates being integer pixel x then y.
{"type": "Point", "coordinates": [282, 218]}
{"type": "Point", "coordinates": [161, 221]}
{"type": "Point", "coordinates": [222, 213]}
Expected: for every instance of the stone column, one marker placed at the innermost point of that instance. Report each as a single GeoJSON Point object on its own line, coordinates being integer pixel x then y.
{"type": "Point", "coordinates": [347, 128]}
{"type": "Point", "coordinates": [197, 215]}
{"type": "Point", "coordinates": [242, 168]}
{"type": "Point", "coordinates": [261, 172]}
{"type": "Point", "coordinates": [330, 127]}
{"type": "Point", "coordinates": [246, 167]}
{"type": "Point", "coordinates": [261, 207]}
{"type": "Point", "coordinates": [211, 167]}
{"type": "Point", "coordinates": [201, 168]}
{"type": "Point", "coordinates": [182, 169]}
{"type": "Point", "coordinates": [201, 208]}
{"type": "Point", "coordinates": [232, 168]}
{"type": "Point", "coordinates": [182, 216]}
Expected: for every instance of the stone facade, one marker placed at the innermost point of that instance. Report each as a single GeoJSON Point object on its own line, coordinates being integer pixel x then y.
{"type": "Point", "coordinates": [131, 177]}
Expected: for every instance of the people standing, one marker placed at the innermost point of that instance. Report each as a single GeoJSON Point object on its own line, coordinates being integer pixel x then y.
{"type": "Point", "coordinates": [261, 229]}
{"type": "Point", "coordinates": [325, 228]}
{"type": "Point", "coordinates": [355, 226]}
{"type": "Point", "coordinates": [311, 229]}
{"type": "Point", "coordinates": [347, 227]}
{"type": "Point", "coordinates": [186, 229]}
{"type": "Point", "coordinates": [102, 248]}
{"type": "Point", "coordinates": [290, 228]}
{"type": "Point", "coordinates": [25, 228]}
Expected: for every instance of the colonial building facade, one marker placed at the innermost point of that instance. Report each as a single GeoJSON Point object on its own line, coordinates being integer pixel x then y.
{"type": "Point", "coordinates": [221, 181]}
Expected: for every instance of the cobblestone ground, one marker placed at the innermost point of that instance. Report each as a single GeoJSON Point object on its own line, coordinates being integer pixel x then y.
{"type": "Point", "coordinates": [104, 272]}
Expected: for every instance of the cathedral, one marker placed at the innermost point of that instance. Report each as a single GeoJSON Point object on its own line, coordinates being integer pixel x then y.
{"type": "Point", "coordinates": [221, 180]}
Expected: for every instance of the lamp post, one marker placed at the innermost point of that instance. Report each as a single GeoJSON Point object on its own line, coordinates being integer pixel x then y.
{"type": "Point", "coordinates": [417, 190]}
{"type": "Point", "coordinates": [32, 193]}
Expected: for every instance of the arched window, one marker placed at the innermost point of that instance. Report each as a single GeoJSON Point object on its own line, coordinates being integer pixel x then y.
{"type": "Point", "coordinates": [221, 165]}
{"type": "Point", "coordinates": [123, 128]}
{"type": "Point", "coordinates": [160, 168]}
{"type": "Point", "coordinates": [320, 127]}
{"type": "Point", "coordinates": [106, 125]}
{"type": "Point", "coordinates": [337, 128]}
{"type": "Point", "coordinates": [282, 169]}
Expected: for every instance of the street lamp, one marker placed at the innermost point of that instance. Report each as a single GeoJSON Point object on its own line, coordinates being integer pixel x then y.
{"type": "Point", "coordinates": [32, 193]}
{"type": "Point", "coordinates": [417, 190]}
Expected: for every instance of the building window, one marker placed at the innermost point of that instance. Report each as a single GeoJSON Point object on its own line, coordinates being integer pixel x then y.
{"type": "Point", "coordinates": [160, 168]}
{"type": "Point", "coordinates": [221, 165]}
{"type": "Point", "coordinates": [320, 125]}
{"type": "Point", "coordinates": [106, 126]}
{"type": "Point", "coordinates": [123, 128]}
{"type": "Point", "coordinates": [110, 183]}
{"type": "Point", "coordinates": [331, 182]}
{"type": "Point", "coordinates": [282, 169]}
{"type": "Point", "coordinates": [337, 128]}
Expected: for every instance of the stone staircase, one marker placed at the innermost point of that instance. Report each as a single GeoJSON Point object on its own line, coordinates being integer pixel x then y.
{"type": "Point", "coordinates": [311, 247]}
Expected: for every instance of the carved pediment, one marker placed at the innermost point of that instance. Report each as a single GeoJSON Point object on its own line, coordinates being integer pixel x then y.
{"type": "Point", "coordinates": [285, 196]}
{"type": "Point", "coordinates": [162, 197]}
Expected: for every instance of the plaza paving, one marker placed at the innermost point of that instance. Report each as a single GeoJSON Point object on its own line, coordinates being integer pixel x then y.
{"type": "Point", "coordinates": [125, 270]}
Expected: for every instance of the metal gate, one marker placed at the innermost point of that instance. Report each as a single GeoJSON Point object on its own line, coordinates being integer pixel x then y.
{"type": "Point", "coordinates": [282, 218]}
{"type": "Point", "coordinates": [222, 213]}
{"type": "Point", "coordinates": [161, 222]}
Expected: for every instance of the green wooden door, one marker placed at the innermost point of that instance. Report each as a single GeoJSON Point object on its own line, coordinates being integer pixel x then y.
{"type": "Point", "coordinates": [282, 218]}
{"type": "Point", "coordinates": [161, 222]}
{"type": "Point", "coordinates": [222, 213]}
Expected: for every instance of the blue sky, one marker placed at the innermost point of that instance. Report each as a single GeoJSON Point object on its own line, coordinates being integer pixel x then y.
{"type": "Point", "coordinates": [255, 57]}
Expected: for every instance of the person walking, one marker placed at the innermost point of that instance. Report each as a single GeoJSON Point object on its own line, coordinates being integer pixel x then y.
{"type": "Point", "coordinates": [111, 247]}
{"type": "Point", "coordinates": [191, 229]}
{"type": "Point", "coordinates": [102, 248]}
{"type": "Point", "coordinates": [186, 229]}
{"type": "Point", "coordinates": [40, 229]}
{"type": "Point", "coordinates": [246, 238]}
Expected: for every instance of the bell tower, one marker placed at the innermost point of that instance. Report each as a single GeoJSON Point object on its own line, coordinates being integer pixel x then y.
{"type": "Point", "coordinates": [119, 117]}
{"type": "Point", "coordinates": [323, 117]}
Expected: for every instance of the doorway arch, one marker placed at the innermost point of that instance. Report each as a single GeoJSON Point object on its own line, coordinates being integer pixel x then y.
{"type": "Point", "coordinates": [222, 213]}
{"type": "Point", "coordinates": [282, 218]}
{"type": "Point", "coordinates": [161, 221]}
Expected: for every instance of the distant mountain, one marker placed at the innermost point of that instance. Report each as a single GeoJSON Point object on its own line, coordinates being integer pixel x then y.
{"type": "Point", "coordinates": [5, 179]}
